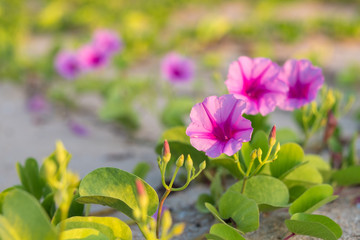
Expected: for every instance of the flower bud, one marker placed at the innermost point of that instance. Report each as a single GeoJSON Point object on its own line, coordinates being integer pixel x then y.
{"type": "Point", "coordinates": [254, 154]}
{"type": "Point", "coordinates": [178, 229]}
{"type": "Point", "coordinates": [259, 153]}
{"type": "Point", "coordinates": [137, 213]}
{"type": "Point", "coordinates": [272, 136]}
{"type": "Point", "coordinates": [142, 195]}
{"type": "Point", "coordinates": [166, 152]}
{"type": "Point", "coordinates": [180, 161]}
{"type": "Point", "coordinates": [189, 163]}
{"type": "Point", "coordinates": [202, 165]}
{"type": "Point", "coordinates": [166, 222]}
{"type": "Point", "coordinates": [277, 148]}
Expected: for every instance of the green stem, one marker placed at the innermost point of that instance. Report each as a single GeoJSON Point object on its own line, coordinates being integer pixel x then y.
{"type": "Point", "coordinates": [236, 157]}
{"type": "Point", "coordinates": [244, 184]}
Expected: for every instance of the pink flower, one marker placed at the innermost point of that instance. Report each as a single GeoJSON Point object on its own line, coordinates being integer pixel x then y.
{"type": "Point", "coordinates": [303, 80]}
{"type": "Point", "coordinates": [37, 104]}
{"type": "Point", "coordinates": [217, 125]}
{"type": "Point", "coordinates": [107, 41]}
{"type": "Point", "coordinates": [177, 68]}
{"type": "Point", "coordinates": [255, 81]}
{"type": "Point", "coordinates": [67, 65]}
{"type": "Point", "coordinates": [91, 57]}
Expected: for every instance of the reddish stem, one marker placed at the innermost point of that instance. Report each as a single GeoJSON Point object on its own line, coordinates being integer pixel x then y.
{"type": "Point", "coordinates": [290, 236]}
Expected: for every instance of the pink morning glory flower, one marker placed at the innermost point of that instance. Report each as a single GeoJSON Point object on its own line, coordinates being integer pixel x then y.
{"type": "Point", "coordinates": [255, 81]}
{"type": "Point", "coordinates": [303, 80]}
{"type": "Point", "coordinates": [67, 65]}
{"type": "Point", "coordinates": [177, 68]}
{"type": "Point", "coordinates": [107, 41]}
{"type": "Point", "coordinates": [91, 57]}
{"type": "Point", "coordinates": [217, 125]}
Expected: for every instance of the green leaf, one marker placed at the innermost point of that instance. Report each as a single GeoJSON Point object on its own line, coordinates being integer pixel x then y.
{"type": "Point", "coordinates": [242, 210]}
{"type": "Point", "coordinates": [314, 225]}
{"type": "Point", "coordinates": [304, 175]}
{"type": "Point", "coordinates": [142, 169]}
{"type": "Point", "coordinates": [289, 158]}
{"type": "Point", "coordinates": [267, 191]}
{"type": "Point", "coordinates": [347, 176]}
{"type": "Point", "coordinates": [111, 227]}
{"type": "Point", "coordinates": [216, 187]}
{"type": "Point", "coordinates": [115, 188]}
{"type": "Point", "coordinates": [202, 199]}
{"type": "Point", "coordinates": [228, 163]}
{"type": "Point", "coordinates": [214, 212]}
{"type": "Point", "coordinates": [22, 214]}
{"type": "Point", "coordinates": [29, 175]}
{"type": "Point", "coordinates": [320, 164]}
{"type": "Point", "coordinates": [225, 232]}
{"type": "Point", "coordinates": [179, 144]}
{"type": "Point", "coordinates": [296, 192]}
{"type": "Point", "coordinates": [174, 112]}
{"type": "Point", "coordinates": [286, 135]}
{"type": "Point", "coordinates": [312, 199]}
{"type": "Point", "coordinates": [83, 234]}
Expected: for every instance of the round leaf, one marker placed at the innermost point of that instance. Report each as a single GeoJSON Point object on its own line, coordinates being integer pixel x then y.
{"type": "Point", "coordinates": [314, 225]}
{"type": "Point", "coordinates": [265, 190]}
{"type": "Point", "coordinates": [111, 227]}
{"type": "Point", "coordinates": [289, 157]}
{"type": "Point", "coordinates": [115, 188]}
{"type": "Point", "coordinates": [223, 231]}
{"type": "Point", "coordinates": [242, 210]}
{"type": "Point", "coordinates": [26, 217]}
{"type": "Point", "coordinates": [83, 234]}
{"type": "Point", "coordinates": [304, 175]}
{"type": "Point", "coordinates": [312, 199]}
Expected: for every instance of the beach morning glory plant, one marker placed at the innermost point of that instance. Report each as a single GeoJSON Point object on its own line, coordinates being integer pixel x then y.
{"type": "Point", "coordinates": [256, 82]}
{"type": "Point", "coordinates": [177, 68]}
{"type": "Point", "coordinates": [217, 125]}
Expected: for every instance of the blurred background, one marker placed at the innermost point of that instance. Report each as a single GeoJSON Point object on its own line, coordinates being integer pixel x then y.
{"type": "Point", "coordinates": [115, 114]}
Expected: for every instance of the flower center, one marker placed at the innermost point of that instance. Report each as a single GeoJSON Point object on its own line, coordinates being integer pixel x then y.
{"type": "Point", "coordinates": [177, 72]}
{"type": "Point", "coordinates": [299, 90]}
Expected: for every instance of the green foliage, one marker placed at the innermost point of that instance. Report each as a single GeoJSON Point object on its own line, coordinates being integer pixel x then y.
{"type": "Point", "coordinates": [30, 178]}
{"type": "Point", "coordinates": [24, 218]}
{"type": "Point", "coordinates": [289, 158]}
{"type": "Point", "coordinates": [174, 112]}
{"type": "Point", "coordinates": [347, 176]}
{"type": "Point", "coordinates": [202, 199]}
{"type": "Point", "coordinates": [242, 210]}
{"type": "Point", "coordinates": [115, 188]}
{"type": "Point", "coordinates": [314, 225]}
{"type": "Point", "coordinates": [142, 169]}
{"type": "Point", "coordinates": [286, 135]}
{"type": "Point", "coordinates": [112, 228]}
{"type": "Point", "coordinates": [223, 232]}
{"type": "Point", "coordinates": [312, 199]}
{"type": "Point", "coordinates": [268, 192]}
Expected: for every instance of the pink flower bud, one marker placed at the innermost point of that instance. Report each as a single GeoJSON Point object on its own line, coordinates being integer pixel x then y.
{"type": "Point", "coordinates": [272, 136]}
{"type": "Point", "coordinates": [166, 151]}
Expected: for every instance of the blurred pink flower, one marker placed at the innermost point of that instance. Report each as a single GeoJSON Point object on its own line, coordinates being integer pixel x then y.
{"type": "Point", "coordinates": [78, 129]}
{"type": "Point", "coordinates": [91, 57]}
{"type": "Point", "coordinates": [107, 41]}
{"type": "Point", "coordinates": [37, 104]}
{"type": "Point", "coordinates": [217, 125]}
{"type": "Point", "coordinates": [67, 65]}
{"type": "Point", "coordinates": [177, 68]}
{"type": "Point", "coordinates": [303, 80]}
{"type": "Point", "coordinates": [255, 81]}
